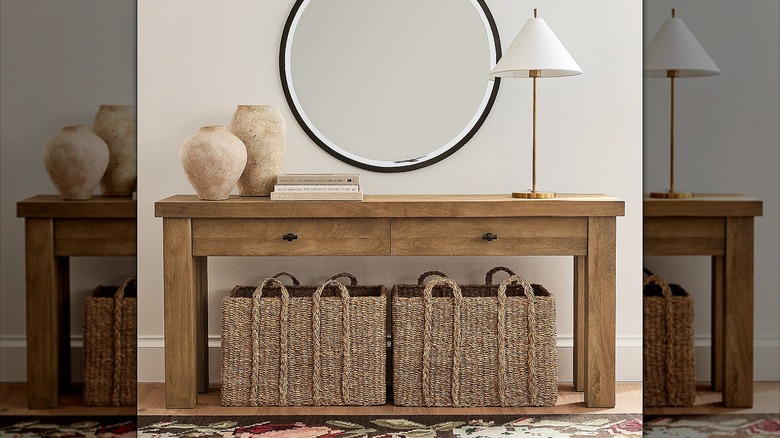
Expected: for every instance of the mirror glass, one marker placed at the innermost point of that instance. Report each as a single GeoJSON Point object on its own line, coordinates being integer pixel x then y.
{"type": "Point", "coordinates": [389, 85]}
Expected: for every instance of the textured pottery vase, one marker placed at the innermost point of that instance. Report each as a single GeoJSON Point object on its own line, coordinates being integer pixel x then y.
{"type": "Point", "coordinates": [76, 159]}
{"type": "Point", "coordinates": [213, 160]}
{"type": "Point", "coordinates": [263, 130]}
{"type": "Point", "coordinates": [116, 125]}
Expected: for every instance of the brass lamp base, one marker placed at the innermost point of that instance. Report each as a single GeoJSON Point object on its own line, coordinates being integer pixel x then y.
{"type": "Point", "coordinates": [533, 195]}
{"type": "Point", "coordinates": [670, 195]}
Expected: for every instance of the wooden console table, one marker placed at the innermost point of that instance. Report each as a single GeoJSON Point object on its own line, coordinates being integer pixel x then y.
{"type": "Point", "coordinates": [582, 226]}
{"type": "Point", "coordinates": [720, 226]}
{"type": "Point", "coordinates": [54, 231]}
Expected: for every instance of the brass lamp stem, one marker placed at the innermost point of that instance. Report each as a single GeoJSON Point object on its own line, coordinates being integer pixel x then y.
{"type": "Point", "coordinates": [533, 189]}
{"type": "Point", "coordinates": [671, 140]}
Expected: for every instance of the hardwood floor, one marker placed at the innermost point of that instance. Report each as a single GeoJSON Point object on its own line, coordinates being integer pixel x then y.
{"type": "Point", "coordinates": [766, 400]}
{"type": "Point", "coordinates": [13, 401]}
{"type": "Point", "coordinates": [151, 397]}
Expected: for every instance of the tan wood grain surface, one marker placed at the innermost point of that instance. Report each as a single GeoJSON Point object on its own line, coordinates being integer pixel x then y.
{"type": "Point", "coordinates": [464, 236]}
{"type": "Point", "coordinates": [703, 205]}
{"type": "Point", "coordinates": [52, 206]}
{"type": "Point", "coordinates": [684, 236]}
{"type": "Point", "coordinates": [394, 206]}
{"type": "Point", "coordinates": [43, 314]}
{"type": "Point", "coordinates": [180, 304]}
{"type": "Point", "coordinates": [738, 313]}
{"type": "Point", "coordinates": [600, 313]}
{"type": "Point", "coordinates": [717, 352]}
{"type": "Point", "coordinates": [335, 236]}
{"type": "Point", "coordinates": [95, 237]}
{"type": "Point", "coordinates": [580, 329]}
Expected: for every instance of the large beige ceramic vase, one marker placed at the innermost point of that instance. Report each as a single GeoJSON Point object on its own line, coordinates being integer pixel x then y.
{"type": "Point", "coordinates": [76, 159]}
{"type": "Point", "coordinates": [263, 130]}
{"type": "Point", "coordinates": [213, 160]}
{"type": "Point", "coordinates": [117, 126]}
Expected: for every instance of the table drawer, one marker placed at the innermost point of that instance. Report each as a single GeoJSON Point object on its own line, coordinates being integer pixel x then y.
{"type": "Point", "coordinates": [684, 236]}
{"type": "Point", "coordinates": [472, 236]}
{"type": "Point", "coordinates": [290, 237]}
{"type": "Point", "coordinates": [94, 237]}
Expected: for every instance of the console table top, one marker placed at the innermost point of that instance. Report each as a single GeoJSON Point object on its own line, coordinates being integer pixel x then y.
{"type": "Point", "coordinates": [501, 205]}
{"type": "Point", "coordinates": [98, 207]}
{"type": "Point", "coordinates": [704, 204]}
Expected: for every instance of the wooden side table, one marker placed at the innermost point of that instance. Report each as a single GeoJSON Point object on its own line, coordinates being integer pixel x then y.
{"type": "Point", "coordinates": [720, 226]}
{"type": "Point", "coordinates": [56, 230]}
{"type": "Point", "coordinates": [582, 226]}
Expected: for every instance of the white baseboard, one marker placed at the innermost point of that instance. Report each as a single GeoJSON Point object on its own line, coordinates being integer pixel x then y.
{"type": "Point", "coordinates": [151, 352]}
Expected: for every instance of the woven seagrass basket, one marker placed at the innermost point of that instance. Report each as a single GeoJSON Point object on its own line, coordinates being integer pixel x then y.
{"type": "Point", "coordinates": [480, 345]}
{"type": "Point", "coordinates": [669, 372]}
{"type": "Point", "coordinates": [110, 346]}
{"type": "Point", "coordinates": [297, 346]}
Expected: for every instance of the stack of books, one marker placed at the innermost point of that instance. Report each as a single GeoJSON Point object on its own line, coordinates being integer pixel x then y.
{"type": "Point", "coordinates": [317, 187]}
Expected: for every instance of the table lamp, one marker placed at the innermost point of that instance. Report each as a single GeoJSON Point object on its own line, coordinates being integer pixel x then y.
{"type": "Point", "coordinates": [535, 53]}
{"type": "Point", "coordinates": [675, 53]}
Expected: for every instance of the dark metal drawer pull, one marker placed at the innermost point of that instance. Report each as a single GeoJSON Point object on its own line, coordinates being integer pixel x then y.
{"type": "Point", "coordinates": [490, 237]}
{"type": "Point", "coordinates": [290, 237]}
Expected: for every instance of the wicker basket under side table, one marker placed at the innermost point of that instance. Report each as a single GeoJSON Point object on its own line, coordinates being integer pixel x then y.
{"type": "Point", "coordinates": [669, 372]}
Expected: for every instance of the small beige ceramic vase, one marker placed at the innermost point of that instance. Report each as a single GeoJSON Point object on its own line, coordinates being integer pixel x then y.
{"type": "Point", "coordinates": [75, 159]}
{"type": "Point", "coordinates": [263, 130]}
{"type": "Point", "coordinates": [116, 125]}
{"type": "Point", "coordinates": [213, 160]}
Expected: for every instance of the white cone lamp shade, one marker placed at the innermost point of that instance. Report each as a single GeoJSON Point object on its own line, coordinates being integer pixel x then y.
{"type": "Point", "coordinates": [675, 48]}
{"type": "Point", "coordinates": [535, 53]}
{"type": "Point", "coordinates": [675, 53]}
{"type": "Point", "coordinates": [535, 48]}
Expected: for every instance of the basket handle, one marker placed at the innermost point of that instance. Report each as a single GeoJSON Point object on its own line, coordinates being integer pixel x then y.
{"type": "Point", "coordinates": [119, 357]}
{"type": "Point", "coordinates": [283, 318]}
{"type": "Point", "coordinates": [666, 290]}
{"type": "Point", "coordinates": [428, 335]}
{"type": "Point", "coordinates": [316, 324]}
{"type": "Point", "coordinates": [295, 281]}
{"type": "Point", "coordinates": [352, 279]}
{"type": "Point", "coordinates": [427, 274]}
{"type": "Point", "coordinates": [489, 275]}
{"type": "Point", "coordinates": [529, 293]}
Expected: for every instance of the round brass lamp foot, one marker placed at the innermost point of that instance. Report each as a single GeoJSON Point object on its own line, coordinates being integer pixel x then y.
{"type": "Point", "coordinates": [533, 195]}
{"type": "Point", "coordinates": [671, 195]}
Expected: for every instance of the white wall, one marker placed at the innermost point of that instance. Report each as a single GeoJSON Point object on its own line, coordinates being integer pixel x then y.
{"type": "Point", "coordinates": [727, 141]}
{"type": "Point", "coordinates": [199, 59]}
{"type": "Point", "coordinates": [60, 61]}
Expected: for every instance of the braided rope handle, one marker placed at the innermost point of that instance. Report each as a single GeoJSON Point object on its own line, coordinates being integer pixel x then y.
{"type": "Point", "coordinates": [529, 293]}
{"type": "Point", "coordinates": [489, 275]}
{"type": "Point", "coordinates": [666, 291]}
{"type": "Point", "coordinates": [424, 275]}
{"type": "Point", "coordinates": [456, 338]}
{"type": "Point", "coordinates": [283, 318]}
{"type": "Point", "coordinates": [316, 330]}
{"type": "Point", "coordinates": [295, 281]}
{"type": "Point", "coordinates": [352, 279]}
{"type": "Point", "coordinates": [119, 356]}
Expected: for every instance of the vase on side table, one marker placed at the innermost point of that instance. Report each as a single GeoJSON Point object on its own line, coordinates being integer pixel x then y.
{"type": "Point", "coordinates": [116, 125]}
{"type": "Point", "coordinates": [213, 160]}
{"type": "Point", "coordinates": [75, 159]}
{"type": "Point", "coordinates": [263, 130]}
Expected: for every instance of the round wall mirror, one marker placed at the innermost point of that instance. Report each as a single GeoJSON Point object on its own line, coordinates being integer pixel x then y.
{"type": "Point", "coordinates": [389, 86]}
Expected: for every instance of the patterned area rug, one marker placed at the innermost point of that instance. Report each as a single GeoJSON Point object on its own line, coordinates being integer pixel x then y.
{"type": "Point", "coordinates": [553, 426]}
{"type": "Point", "coordinates": [67, 427]}
{"type": "Point", "coordinates": [693, 426]}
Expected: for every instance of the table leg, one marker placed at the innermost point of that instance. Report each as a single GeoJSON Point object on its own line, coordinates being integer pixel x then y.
{"type": "Point", "coordinates": [48, 357]}
{"type": "Point", "coordinates": [181, 313]}
{"type": "Point", "coordinates": [716, 348]}
{"type": "Point", "coordinates": [738, 313]}
{"type": "Point", "coordinates": [579, 324]}
{"type": "Point", "coordinates": [599, 297]}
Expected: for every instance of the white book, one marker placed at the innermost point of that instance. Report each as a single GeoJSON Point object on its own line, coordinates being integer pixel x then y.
{"type": "Point", "coordinates": [316, 196]}
{"type": "Point", "coordinates": [315, 188]}
{"type": "Point", "coordinates": [318, 178]}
